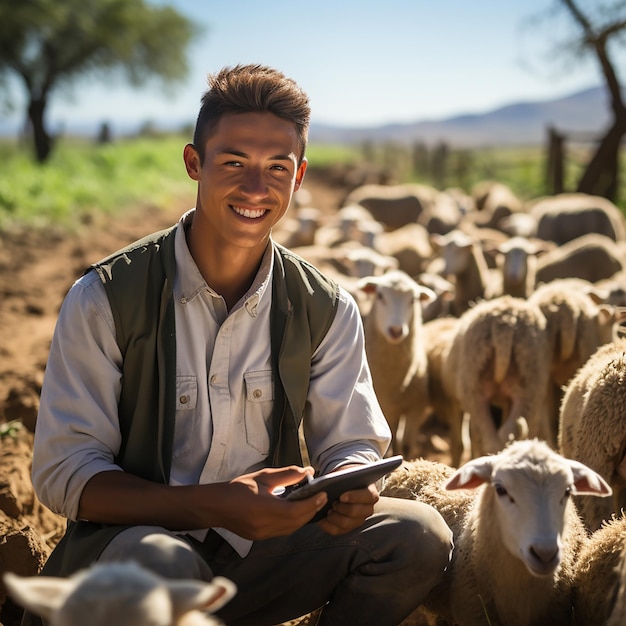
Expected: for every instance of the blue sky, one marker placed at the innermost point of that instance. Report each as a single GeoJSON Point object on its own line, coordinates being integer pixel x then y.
{"type": "Point", "coordinates": [362, 62]}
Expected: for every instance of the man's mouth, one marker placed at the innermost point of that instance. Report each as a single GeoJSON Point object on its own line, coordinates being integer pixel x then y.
{"type": "Point", "coordinates": [251, 213]}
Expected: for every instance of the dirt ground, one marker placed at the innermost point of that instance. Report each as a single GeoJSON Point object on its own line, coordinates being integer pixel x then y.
{"type": "Point", "coordinates": [36, 270]}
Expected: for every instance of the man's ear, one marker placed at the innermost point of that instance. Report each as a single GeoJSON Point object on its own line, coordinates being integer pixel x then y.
{"type": "Point", "coordinates": [192, 161]}
{"type": "Point", "coordinates": [300, 174]}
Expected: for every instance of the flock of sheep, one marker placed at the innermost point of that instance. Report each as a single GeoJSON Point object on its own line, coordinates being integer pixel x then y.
{"type": "Point", "coordinates": [500, 320]}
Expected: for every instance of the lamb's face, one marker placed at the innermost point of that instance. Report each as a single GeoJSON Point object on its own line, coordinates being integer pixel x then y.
{"type": "Point", "coordinates": [531, 510]}
{"type": "Point", "coordinates": [394, 310]}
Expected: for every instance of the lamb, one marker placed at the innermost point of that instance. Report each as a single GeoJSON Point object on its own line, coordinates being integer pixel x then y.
{"type": "Point", "coordinates": [465, 261]}
{"type": "Point", "coordinates": [395, 350]}
{"type": "Point", "coordinates": [576, 327]}
{"type": "Point", "coordinates": [499, 362]}
{"type": "Point", "coordinates": [516, 540]}
{"type": "Point", "coordinates": [394, 205]}
{"type": "Point", "coordinates": [120, 594]}
{"type": "Point", "coordinates": [567, 216]}
{"type": "Point", "coordinates": [592, 426]}
{"type": "Point", "coordinates": [517, 260]}
{"type": "Point", "coordinates": [409, 244]}
{"type": "Point", "coordinates": [600, 577]}
{"type": "Point", "coordinates": [592, 257]}
{"type": "Point", "coordinates": [439, 334]}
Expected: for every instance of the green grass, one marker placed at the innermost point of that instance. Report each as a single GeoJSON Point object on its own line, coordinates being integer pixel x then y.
{"type": "Point", "coordinates": [82, 179]}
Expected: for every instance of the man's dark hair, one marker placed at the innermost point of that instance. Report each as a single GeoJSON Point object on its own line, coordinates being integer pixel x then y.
{"type": "Point", "coordinates": [252, 89]}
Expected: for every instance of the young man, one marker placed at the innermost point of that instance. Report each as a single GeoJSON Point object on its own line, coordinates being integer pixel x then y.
{"type": "Point", "coordinates": [180, 373]}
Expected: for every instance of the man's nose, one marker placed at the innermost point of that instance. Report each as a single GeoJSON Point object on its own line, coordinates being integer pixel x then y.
{"type": "Point", "coordinates": [253, 183]}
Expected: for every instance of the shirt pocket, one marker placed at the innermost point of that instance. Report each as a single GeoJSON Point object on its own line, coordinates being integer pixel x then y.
{"type": "Point", "coordinates": [185, 424]}
{"type": "Point", "coordinates": [258, 409]}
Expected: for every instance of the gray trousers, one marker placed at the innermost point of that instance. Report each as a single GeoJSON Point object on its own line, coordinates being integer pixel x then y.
{"type": "Point", "coordinates": [376, 575]}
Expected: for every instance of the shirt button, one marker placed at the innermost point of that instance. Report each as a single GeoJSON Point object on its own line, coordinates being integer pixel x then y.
{"type": "Point", "coordinates": [183, 399]}
{"type": "Point", "coordinates": [213, 379]}
{"type": "Point", "coordinates": [257, 393]}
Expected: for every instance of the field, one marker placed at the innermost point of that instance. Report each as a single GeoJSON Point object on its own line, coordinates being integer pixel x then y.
{"type": "Point", "coordinates": [91, 199]}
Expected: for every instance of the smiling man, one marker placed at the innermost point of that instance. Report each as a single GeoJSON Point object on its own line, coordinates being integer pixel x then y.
{"type": "Point", "coordinates": [199, 369]}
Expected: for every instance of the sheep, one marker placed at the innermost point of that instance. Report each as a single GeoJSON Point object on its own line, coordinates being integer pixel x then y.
{"type": "Point", "coordinates": [444, 295]}
{"type": "Point", "coordinates": [516, 259]}
{"type": "Point", "coordinates": [395, 351]}
{"type": "Point", "coordinates": [465, 261]}
{"type": "Point", "coordinates": [393, 205]}
{"type": "Point", "coordinates": [600, 576]}
{"type": "Point", "coordinates": [499, 362]}
{"type": "Point", "coordinates": [120, 594]}
{"type": "Point", "coordinates": [567, 216]}
{"type": "Point", "coordinates": [438, 337]}
{"type": "Point", "coordinates": [300, 229]}
{"type": "Point", "coordinates": [592, 257]}
{"type": "Point", "coordinates": [516, 540]}
{"type": "Point", "coordinates": [576, 327]}
{"type": "Point", "coordinates": [409, 244]}
{"type": "Point", "coordinates": [592, 426]}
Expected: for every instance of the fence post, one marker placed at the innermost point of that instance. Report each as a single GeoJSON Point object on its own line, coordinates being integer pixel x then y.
{"type": "Point", "coordinates": [556, 157]}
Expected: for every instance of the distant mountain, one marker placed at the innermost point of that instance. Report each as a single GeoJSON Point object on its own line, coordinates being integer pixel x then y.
{"type": "Point", "coordinates": [520, 123]}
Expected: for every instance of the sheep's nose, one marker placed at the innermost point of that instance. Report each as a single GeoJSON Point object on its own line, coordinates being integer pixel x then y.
{"type": "Point", "coordinates": [544, 553]}
{"type": "Point", "coordinates": [395, 332]}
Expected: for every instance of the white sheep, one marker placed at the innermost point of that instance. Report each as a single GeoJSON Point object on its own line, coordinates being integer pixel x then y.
{"type": "Point", "coordinates": [516, 539]}
{"type": "Point", "coordinates": [394, 205]}
{"type": "Point", "coordinates": [395, 350]}
{"type": "Point", "coordinates": [600, 577]}
{"type": "Point", "coordinates": [517, 260]}
{"type": "Point", "coordinates": [567, 216]}
{"type": "Point", "coordinates": [576, 327]}
{"type": "Point", "coordinates": [499, 362]}
{"type": "Point", "coordinates": [120, 594]}
{"type": "Point", "coordinates": [439, 335]}
{"type": "Point", "coordinates": [592, 257]}
{"type": "Point", "coordinates": [464, 260]}
{"type": "Point", "coordinates": [410, 244]}
{"type": "Point", "coordinates": [592, 426]}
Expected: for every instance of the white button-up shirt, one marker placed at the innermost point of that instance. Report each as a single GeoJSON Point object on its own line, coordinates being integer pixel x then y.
{"type": "Point", "coordinates": [224, 389]}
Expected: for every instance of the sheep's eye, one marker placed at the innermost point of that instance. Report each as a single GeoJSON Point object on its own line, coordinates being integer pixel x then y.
{"type": "Point", "coordinates": [568, 493]}
{"type": "Point", "coordinates": [501, 491]}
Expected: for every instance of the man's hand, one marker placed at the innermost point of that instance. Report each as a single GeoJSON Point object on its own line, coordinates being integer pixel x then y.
{"type": "Point", "coordinates": [352, 509]}
{"type": "Point", "coordinates": [250, 509]}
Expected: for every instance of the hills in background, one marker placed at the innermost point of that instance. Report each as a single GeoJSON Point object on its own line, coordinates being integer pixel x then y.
{"type": "Point", "coordinates": [523, 123]}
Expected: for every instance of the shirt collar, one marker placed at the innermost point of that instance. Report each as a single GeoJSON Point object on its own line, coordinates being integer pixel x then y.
{"type": "Point", "coordinates": [189, 281]}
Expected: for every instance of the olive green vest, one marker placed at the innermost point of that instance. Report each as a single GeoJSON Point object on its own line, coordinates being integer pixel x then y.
{"type": "Point", "coordinates": [139, 281]}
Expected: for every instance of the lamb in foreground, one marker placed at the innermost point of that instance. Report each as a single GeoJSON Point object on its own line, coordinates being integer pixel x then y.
{"type": "Point", "coordinates": [600, 581]}
{"type": "Point", "coordinates": [516, 539]}
{"type": "Point", "coordinates": [120, 594]}
{"type": "Point", "coordinates": [592, 427]}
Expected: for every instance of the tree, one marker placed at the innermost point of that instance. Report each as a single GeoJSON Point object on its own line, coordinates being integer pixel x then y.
{"type": "Point", "coordinates": [50, 44]}
{"type": "Point", "coordinates": [600, 26]}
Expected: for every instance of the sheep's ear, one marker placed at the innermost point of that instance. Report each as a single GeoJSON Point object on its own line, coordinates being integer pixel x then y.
{"type": "Point", "coordinates": [473, 474]}
{"type": "Point", "coordinates": [587, 482]}
{"type": "Point", "coordinates": [425, 294]}
{"type": "Point", "coordinates": [43, 595]}
{"type": "Point", "coordinates": [367, 285]}
{"type": "Point", "coordinates": [188, 595]}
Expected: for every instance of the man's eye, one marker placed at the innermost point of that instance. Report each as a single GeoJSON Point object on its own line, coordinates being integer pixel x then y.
{"type": "Point", "coordinates": [280, 168]}
{"type": "Point", "coordinates": [234, 163]}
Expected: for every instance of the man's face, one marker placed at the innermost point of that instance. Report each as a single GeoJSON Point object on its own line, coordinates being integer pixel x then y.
{"type": "Point", "coordinates": [249, 174]}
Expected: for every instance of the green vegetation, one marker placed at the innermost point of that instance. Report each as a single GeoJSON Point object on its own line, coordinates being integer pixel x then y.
{"type": "Point", "coordinates": [83, 179]}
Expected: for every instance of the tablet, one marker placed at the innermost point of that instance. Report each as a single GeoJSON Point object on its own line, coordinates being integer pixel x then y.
{"type": "Point", "coordinates": [338, 482]}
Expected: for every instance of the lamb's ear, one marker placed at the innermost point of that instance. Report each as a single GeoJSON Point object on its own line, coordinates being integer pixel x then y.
{"type": "Point", "coordinates": [188, 595]}
{"type": "Point", "coordinates": [471, 475]}
{"type": "Point", "coordinates": [42, 595]}
{"type": "Point", "coordinates": [587, 482]}
{"type": "Point", "coordinates": [367, 285]}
